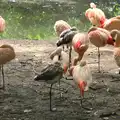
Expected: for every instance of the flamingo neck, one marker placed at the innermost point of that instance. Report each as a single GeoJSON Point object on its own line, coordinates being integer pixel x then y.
{"type": "Point", "coordinates": [71, 70]}
{"type": "Point", "coordinates": [102, 22]}
{"type": "Point", "coordinates": [110, 40]}
{"type": "Point", "coordinates": [77, 45]}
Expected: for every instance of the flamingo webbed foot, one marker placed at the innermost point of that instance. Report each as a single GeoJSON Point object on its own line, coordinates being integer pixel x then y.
{"type": "Point", "coordinates": [53, 109]}
{"type": "Point", "coordinates": [118, 72]}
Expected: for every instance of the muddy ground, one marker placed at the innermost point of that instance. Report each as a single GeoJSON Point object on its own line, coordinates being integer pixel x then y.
{"type": "Point", "coordinates": [26, 99]}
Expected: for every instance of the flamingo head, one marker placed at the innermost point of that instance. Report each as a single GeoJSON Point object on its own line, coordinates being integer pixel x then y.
{"type": "Point", "coordinates": [60, 26]}
{"type": "Point", "coordinates": [95, 15]}
{"type": "Point", "coordinates": [115, 34]}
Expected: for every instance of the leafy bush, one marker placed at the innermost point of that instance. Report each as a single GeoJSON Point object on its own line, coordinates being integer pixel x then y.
{"type": "Point", "coordinates": [33, 21]}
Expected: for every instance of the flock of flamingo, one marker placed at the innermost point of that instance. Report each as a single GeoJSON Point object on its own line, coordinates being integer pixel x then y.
{"type": "Point", "coordinates": [102, 32]}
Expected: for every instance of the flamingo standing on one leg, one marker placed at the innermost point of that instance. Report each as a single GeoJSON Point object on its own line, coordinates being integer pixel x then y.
{"type": "Point", "coordinates": [82, 76]}
{"type": "Point", "coordinates": [97, 17]}
{"type": "Point", "coordinates": [99, 37]}
{"type": "Point", "coordinates": [61, 27]}
{"type": "Point", "coordinates": [6, 54]}
{"type": "Point", "coordinates": [6, 51]}
{"type": "Point", "coordinates": [79, 41]}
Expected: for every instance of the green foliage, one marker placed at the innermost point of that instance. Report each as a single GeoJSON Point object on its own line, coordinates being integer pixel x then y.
{"type": "Point", "coordinates": [80, 24]}
{"type": "Point", "coordinates": [21, 23]}
{"type": "Point", "coordinates": [31, 21]}
{"type": "Point", "coordinates": [116, 9]}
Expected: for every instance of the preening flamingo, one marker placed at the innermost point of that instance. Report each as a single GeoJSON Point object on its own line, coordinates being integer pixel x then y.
{"type": "Point", "coordinates": [79, 41]}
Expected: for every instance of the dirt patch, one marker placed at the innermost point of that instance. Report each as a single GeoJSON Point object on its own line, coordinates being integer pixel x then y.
{"type": "Point", "coordinates": [25, 99]}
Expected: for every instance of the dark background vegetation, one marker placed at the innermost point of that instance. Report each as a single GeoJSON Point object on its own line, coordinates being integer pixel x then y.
{"type": "Point", "coordinates": [34, 19]}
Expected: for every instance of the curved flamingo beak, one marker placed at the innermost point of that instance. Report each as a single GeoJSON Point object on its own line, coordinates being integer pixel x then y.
{"type": "Point", "coordinates": [82, 84]}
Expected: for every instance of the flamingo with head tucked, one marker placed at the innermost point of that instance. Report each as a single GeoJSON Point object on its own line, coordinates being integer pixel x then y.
{"type": "Point", "coordinates": [82, 76]}
{"type": "Point", "coordinates": [7, 53]}
{"type": "Point", "coordinates": [100, 37]}
{"type": "Point", "coordinates": [116, 38]}
{"type": "Point", "coordinates": [79, 41]}
{"type": "Point", "coordinates": [97, 17]}
{"type": "Point", "coordinates": [60, 26]}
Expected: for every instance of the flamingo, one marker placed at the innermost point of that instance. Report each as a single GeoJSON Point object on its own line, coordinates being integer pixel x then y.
{"type": "Point", "coordinates": [79, 41]}
{"type": "Point", "coordinates": [60, 26]}
{"type": "Point", "coordinates": [63, 57]}
{"type": "Point", "coordinates": [99, 37]}
{"type": "Point", "coordinates": [7, 54]}
{"type": "Point", "coordinates": [97, 17]}
{"type": "Point", "coordinates": [116, 38]}
{"type": "Point", "coordinates": [82, 76]}
{"type": "Point", "coordinates": [2, 24]}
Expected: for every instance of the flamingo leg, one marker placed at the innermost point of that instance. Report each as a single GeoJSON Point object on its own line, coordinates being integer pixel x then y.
{"type": "Point", "coordinates": [59, 89]}
{"type": "Point", "coordinates": [81, 103]}
{"type": "Point", "coordinates": [3, 82]}
{"type": "Point", "coordinates": [67, 46]}
{"type": "Point", "coordinates": [118, 70]}
{"type": "Point", "coordinates": [98, 59]}
{"type": "Point", "coordinates": [50, 94]}
{"type": "Point", "coordinates": [1, 70]}
{"type": "Point", "coordinates": [70, 56]}
{"type": "Point", "coordinates": [63, 47]}
{"type": "Point", "coordinates": [78, 58]}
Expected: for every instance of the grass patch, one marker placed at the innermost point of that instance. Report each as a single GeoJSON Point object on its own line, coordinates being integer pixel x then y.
{"type": "Point", "coordinates": [33, 21]}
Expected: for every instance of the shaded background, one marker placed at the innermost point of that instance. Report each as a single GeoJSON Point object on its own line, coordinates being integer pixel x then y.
{"type": "Point", "coordinates": [34, 19]}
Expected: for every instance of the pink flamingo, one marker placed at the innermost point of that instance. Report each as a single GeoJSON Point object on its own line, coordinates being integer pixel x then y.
{"type": "Point", "coordinates": [100, 37]}
{"type": "Point", "coordinates": [97, 17]}
{"type": "Point", "coordinates": [2, 24]}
